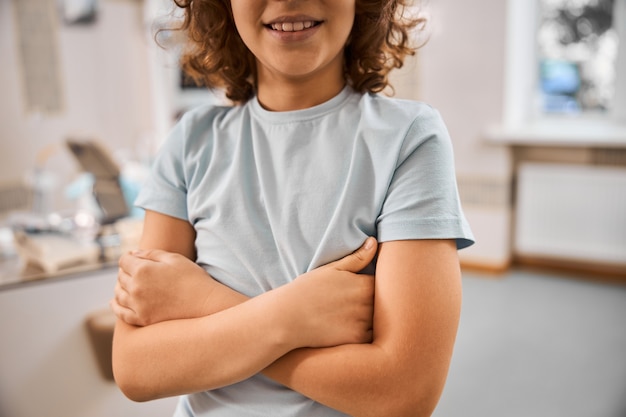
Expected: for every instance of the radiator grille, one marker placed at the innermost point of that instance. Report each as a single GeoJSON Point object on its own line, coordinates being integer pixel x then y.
{"type": "Point", "coordinates": [571, 212]}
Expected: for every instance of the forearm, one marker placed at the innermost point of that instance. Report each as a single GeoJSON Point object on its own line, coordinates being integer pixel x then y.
{"type": "Point", "coordinates": [401, 373]}
{"type": "Point", "coordinates": [359, 380]}
{"type": "Point", "coordinates": [164, 359]}
{"type": "Point", "coordinates": [227, 346]}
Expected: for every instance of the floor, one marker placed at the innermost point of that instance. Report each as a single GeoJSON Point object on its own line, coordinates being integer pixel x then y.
{"type": "Point", "coordinates": [534, 344]}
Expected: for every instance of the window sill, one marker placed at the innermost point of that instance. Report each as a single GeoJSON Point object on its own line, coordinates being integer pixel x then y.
{"type": "Point", "coordinates": [561, 132]}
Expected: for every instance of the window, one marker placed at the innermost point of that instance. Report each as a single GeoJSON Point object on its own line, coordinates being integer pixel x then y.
{"type": "Point", "coordinates": [577, 50]}
{"type": "Point", "coordinates": [565, 71]}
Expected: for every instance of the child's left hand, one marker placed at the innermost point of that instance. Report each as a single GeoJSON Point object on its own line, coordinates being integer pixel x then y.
{"type": "Point", "coordinates": [155, 286]}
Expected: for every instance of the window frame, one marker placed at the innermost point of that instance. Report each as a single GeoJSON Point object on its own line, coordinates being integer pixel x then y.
{"type": "Point", "coordinates": [523, 122]}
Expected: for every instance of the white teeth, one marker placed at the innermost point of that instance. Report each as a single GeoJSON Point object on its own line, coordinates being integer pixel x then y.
{"type": "Point", "coordinates": [292, 26]}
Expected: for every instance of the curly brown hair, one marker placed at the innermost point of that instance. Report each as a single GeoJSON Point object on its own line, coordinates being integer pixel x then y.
{"type": "Point", "coordinates": [215, 56]}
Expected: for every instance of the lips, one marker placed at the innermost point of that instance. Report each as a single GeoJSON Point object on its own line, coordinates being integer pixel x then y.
{"type": "Point", "coordinates": [293, 23]}
{"type": "Point", "coordinates": [293, 26]}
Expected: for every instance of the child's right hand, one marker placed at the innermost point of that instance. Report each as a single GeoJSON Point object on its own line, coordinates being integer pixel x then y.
{"type": "Point", "coordinates": [333, 304]}
{"type": "Point", "coordinates": [155, 286]}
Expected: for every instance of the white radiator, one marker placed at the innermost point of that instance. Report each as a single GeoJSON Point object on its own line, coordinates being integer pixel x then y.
{"type": "Point", "coordinates": [571, 212]}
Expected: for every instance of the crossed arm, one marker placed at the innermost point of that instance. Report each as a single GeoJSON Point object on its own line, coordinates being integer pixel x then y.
{"type": "Point", "coordinates": [400, 372]}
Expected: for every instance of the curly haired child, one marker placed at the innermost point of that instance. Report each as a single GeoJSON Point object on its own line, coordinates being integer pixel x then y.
{"type": "Point", "coordinates": [299, 253]}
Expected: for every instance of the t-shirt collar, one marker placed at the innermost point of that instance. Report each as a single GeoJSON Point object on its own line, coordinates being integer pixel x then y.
{"type": "Point", "coordinates": [299, 115]}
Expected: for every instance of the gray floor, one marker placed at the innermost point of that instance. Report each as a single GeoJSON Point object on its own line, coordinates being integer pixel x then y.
{"type": "Point", "coordinates": [538, 345]}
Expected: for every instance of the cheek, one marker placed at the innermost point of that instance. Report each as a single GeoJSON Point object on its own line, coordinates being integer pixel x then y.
{"type": "Point", "coordinates": [242, 18]}
{"type": "Point", "coordinates": [347, 12]}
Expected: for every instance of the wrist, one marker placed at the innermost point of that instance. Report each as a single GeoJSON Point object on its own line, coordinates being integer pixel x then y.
{"type": "Point", "coordinates": [282, 307]}
{"type": "Point", "coordinates": [219, 297]}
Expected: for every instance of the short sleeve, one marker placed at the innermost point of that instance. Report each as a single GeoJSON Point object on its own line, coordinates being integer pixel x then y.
{"type": "Point", "coordinates": [422, 201]}
{"type": "Point", "coordinates": [165, 190]}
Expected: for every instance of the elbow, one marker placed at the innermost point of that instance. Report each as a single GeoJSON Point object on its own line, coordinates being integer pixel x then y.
{"type": "Point", "coordinates": [133, 392]}
{"type": "Point", "coordinates": [420, 407]}
{"type": "Point", "coordinates": [139, 380]}
{"type": "Point", "coordinates": [128, 382]}
{"type": "Point", "coordinates": [133, 370]}
{"type": "Point", "coordinates": [414, 398]}
{"type": "Point", "coordinates": [136, 388]}
{"type": "Point", "coordinates": [130, 378]}
{"type": "Point", "coordinates": [420, 397]}
{"type": "Point", "coordinates": [406, 407]}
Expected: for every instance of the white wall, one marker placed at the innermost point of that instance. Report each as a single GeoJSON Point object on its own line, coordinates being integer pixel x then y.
{"type": "Point", "coordinates": [462, 75]}
{"type": "Point", "coordinates": [104, 70]}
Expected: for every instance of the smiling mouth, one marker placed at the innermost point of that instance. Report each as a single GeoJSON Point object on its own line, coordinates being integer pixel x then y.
{"type": "Point", "coordinates": [293, 26]}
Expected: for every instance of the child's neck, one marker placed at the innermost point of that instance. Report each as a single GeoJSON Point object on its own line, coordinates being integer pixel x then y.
{"type": "Point", "coordinates": [299, 94]}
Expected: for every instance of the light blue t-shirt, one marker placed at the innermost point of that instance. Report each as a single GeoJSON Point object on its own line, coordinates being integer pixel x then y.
{"type": "Point", "coordinates": [273, 195]}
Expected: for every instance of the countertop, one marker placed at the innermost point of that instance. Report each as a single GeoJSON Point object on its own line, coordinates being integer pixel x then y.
{"type": "Point", "coordinates": [14, 273]}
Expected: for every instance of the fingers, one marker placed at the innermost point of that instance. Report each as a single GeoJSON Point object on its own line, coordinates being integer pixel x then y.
{"type": "Point", "coordinates": [124, 314]}
{"type": "Point", "coordinates": [123, 308]}
{"type": "Point", "coordinates": [151, 254]}
{"type": "Point", "coordinates": [360, 258]}
{"type": "Point", "coordinates": [135, 261]}
{"type": "Point", "coordinates": [122, 304]}
{"type": "Point", "coordinates": [157, 255]}
{"type": "Point", "coordinates": [123, 279]}
{"type": "Point", "coordinates": [122, 290]}
{"type": "Point", "coordinates": [128, 263]}
{"type": "Point", "coordinates": [119, 307]}
{"type": "Point", "coordinates": [141, 261]}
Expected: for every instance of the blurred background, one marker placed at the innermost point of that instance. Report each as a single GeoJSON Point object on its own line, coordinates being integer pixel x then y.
{"type": "Point", "coordinates": [534, 96]}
